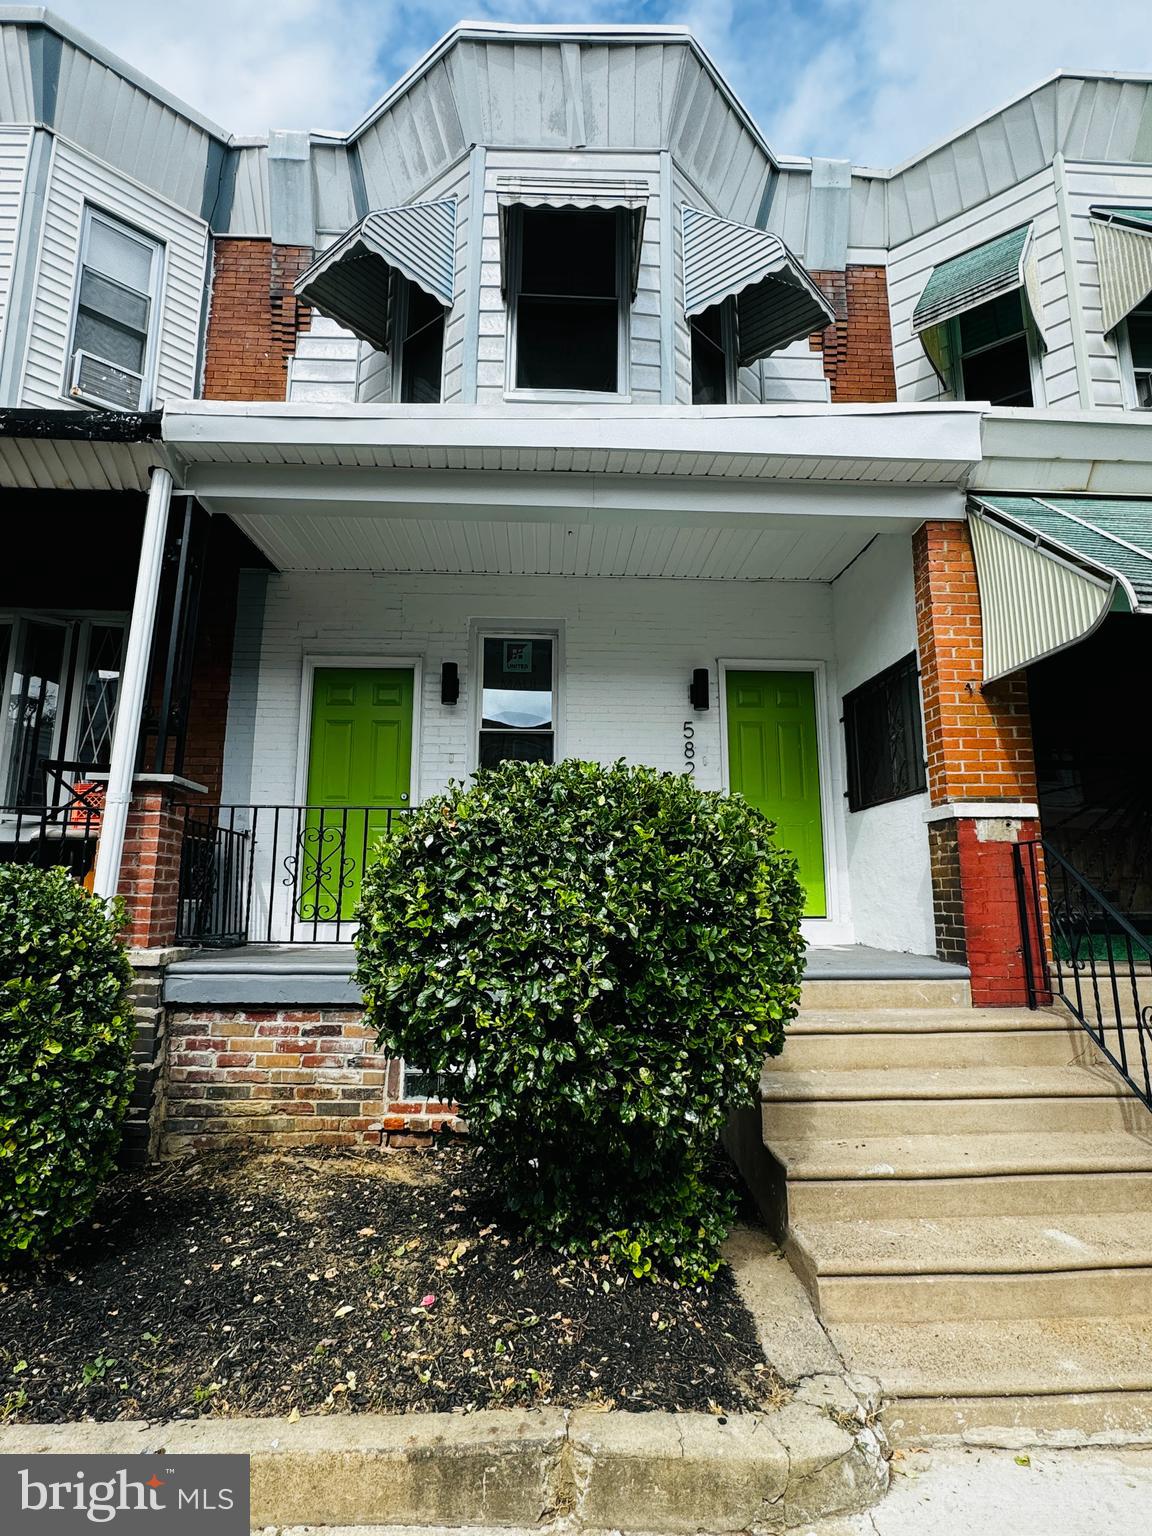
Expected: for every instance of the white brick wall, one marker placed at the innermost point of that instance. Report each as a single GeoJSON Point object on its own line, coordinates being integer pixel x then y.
{"type": "Point", "coordinates": [628, 648]}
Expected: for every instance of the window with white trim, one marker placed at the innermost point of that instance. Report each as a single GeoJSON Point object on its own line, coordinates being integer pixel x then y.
{"type": "Point", "coordinates": [714, 355]}
{"type": "Point", "coordinates": [568, 293]}
{"type": "Point", "coordinates": [997, 358]}
{"type": "Point", "coordinates": [418, 326]}
{"type": "Point", "coordinates": [1139, 332]}
{"type": "Point", "coordinates": [517, 699]}
{"type": "Point", "coordinates": [113, 332]}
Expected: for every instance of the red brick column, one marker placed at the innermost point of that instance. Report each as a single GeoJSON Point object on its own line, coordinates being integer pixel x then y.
{"type": "Point", "coordinates": [981, 773]}
{"type": "Point", "coordinates": [253, 318]}
{"type": "Point", "coordinates": [857, 346]}
{"type": "Point", "coordinates": [150, 871]}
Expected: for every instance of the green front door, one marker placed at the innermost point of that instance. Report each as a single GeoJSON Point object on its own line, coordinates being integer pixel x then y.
{"type": "Point", "coordinates": [359, 773]}
{"type": "Point", "coordinates": [773, 762]}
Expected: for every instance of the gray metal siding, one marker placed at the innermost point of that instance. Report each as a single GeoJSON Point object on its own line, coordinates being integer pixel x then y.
{"type": "Point", "coordinates": [249, 214]}
{"type": "Point", "coordinates": [14, 144]}
{"type": "Point", "coordinates": [17, 103]}
{"type": "Point", "coordinates": [76, 178]}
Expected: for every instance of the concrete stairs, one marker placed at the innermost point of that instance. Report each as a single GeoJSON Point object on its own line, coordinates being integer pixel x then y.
{"type": "Point", "coordinates": [325, 363]}
{"type": "Point", "coordinates": [967, 1195]}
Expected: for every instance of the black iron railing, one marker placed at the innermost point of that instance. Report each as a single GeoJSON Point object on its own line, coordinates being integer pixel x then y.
{"type": "Point", "coordinates": [276, 874]}
{"type": "Point", "coordinates": [1080, 948]}
{"type": "Point", "coordinates": [47, 836]}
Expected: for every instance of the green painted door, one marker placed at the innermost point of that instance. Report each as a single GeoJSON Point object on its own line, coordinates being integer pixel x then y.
{"type": "Point", "coordinates": [773, 762]}
{"type": "Point", "coordinates": [359, 772]}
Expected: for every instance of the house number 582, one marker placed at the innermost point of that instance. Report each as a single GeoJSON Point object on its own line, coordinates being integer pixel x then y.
{"type": "Point", "coordinates": [689, 747]}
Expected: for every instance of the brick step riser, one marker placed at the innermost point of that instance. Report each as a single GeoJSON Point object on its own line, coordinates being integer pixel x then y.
{"type": "Point", "coordinates": [1053, 1194]}
{"type": "Point", "coordinates": [1120, 1293]}
{"type": "Point", "coordinates": [844, 1119]}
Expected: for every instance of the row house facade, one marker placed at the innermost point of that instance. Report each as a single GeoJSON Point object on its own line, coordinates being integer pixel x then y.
{"type": "Point", "coordinates": [551, 412]}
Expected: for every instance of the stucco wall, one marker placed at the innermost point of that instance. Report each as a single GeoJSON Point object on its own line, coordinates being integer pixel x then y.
{"type": "Point", "coordinates": [874, 620]}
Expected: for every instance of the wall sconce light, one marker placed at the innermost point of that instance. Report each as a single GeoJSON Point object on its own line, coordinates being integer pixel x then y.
{"type": "Point", "coordinates": [449, 683]}
{"type": "Point", "coordinates": [698, 688]}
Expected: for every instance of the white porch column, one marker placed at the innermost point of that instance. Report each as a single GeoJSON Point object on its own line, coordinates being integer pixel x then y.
{"type": "Point", "coordinates": [133, 682]}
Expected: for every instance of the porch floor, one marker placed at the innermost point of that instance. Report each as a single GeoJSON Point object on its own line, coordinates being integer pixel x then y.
{"type": "Point", "coordinates": [320, 975]}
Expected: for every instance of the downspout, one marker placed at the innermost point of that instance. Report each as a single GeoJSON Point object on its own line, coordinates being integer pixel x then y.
{"type": "Point", "coordinates": [134, 682]}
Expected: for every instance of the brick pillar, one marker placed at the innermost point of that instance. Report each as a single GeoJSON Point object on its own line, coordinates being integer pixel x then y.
{"type": "Point", "coordinates": [150, 871]}
{"type": "Point", "coordinates": [857, 346]}
{"type": "Point", "coordinates": [981, 774]}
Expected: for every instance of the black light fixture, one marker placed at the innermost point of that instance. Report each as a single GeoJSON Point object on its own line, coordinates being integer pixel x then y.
{"type": "Point", "coordinates": [698, 688]}
{"type": "Point", "coordinates": [449, 683]}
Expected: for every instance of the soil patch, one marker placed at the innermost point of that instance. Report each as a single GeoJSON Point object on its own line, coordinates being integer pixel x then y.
{"type": "Point", "coordinates": [305, 1284]}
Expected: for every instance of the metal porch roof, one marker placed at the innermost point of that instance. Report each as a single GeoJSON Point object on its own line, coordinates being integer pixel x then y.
{"type": "Point", "coordinates": [776, 301]}
{"type": "Point", "coordinates": [349, 283]}
{"type": "Point", "coordinates": [1051, 568]}
{"type": "Point", "coordinates": [1123, 240]}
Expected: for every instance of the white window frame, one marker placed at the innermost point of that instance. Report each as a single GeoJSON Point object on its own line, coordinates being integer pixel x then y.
{"type": "Point", "coordinates": [729, 340]}
{"type": "Point", "coordinates": [835, 927]}
{"type": "Point", "coordinates": [399, 299]}
{"type": "Point", "coordinates": [1031, 339]}
{"type": "Point", "coordinates": [80, 623]}
{"type": "Point", "coordinates": [93, 213]}
{"type": "Point", "coordinates": [622, 392]}
{"type": "Point", "coordinates": [499, 629]}
{"type": "Point", "coordinates": [1128, 368]}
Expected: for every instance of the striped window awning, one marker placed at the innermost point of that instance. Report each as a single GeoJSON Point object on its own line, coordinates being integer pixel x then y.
{"type": "Point", "coordinates": [1006, 264]}
{"type": "Point", "coordinates": [558, 189]}
{"type": "Point", "coordinates": [1051, 568]}
{"type": "Point", "coordinates": [777, 303]}
{"type": "Point", "coordinates": [1123, 240]}
{"type": "Point", "coordinates": [349, 282]}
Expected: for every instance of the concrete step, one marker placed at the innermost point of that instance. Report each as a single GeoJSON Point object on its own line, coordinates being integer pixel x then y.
{"type": "Point", "coordinates": [868, 1158]}
{"type": "Point", "coordinates": [1000, 1357]}
{"type": "Point", "coordinates": [1064, 1418]}
{"type": "Point", "coordinates": [844, 1052]}
{"type": "Point", "coordinates": [976, 1245]}
{"type": "Point", "coordinates": [922, 1020]}
{"type": "Point", "coordinates": [1057, 1197]}
{"type": "Point", "coordinates": [945, 1102]}
{"type": "Point", "coordinates": [1116, 1293]}
{"type": "Point", "coordinates": [826, 994]}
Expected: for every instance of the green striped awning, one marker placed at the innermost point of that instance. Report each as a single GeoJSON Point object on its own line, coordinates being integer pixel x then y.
{"type": "Point", "coordinates": [973, 278]}
{"type": "Point", "coordinates": [1123, 240]}
{"type": "Point", "coordinates": [1051, 568]}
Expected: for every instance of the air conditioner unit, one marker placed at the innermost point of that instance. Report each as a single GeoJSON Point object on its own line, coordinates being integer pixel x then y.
{"type": "Point", "coordinates": [104, 383]}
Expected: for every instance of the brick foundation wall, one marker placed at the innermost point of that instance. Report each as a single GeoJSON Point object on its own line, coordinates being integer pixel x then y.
{"type": "Point", "coordinates": [978, 742]}
{"type": "Point", "coordinates": [253, 319]}
{"type": "Point", "coordinates": [857, 346]}
{"type": "Point", "coordinates": [245, 1078]}
{"type": "Point", "coordinates": [148, 1011]}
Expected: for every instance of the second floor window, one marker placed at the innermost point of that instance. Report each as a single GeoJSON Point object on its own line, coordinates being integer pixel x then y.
{"type": "Point", "coordinates": [993, 350]}
{"type": "Point", "coordinates": [420, 320]}
{"type": "Point", "coordinates": [566, 298]}
{"type": "Point", "coordinates": [112, 334]}
{"type": "Point", "coordinates": [714, 355]}
{"type": "Point", "coordinates": [1140, 349]}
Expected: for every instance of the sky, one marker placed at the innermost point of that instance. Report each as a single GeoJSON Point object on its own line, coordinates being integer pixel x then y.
{"type": "Point", "coordinates": [874, 81]}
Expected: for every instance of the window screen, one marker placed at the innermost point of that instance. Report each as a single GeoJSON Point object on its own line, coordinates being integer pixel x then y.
{"type": "Point", "coordinates": [995, 364]}
{"type": "Point", "coordinates": [518, 701]}
{"type": "Point", "coordinates": [114, 305]}
{"type": "Point", "coordinates": [568, 300]}
{"type": "Point", "coordinates": [883, 737]}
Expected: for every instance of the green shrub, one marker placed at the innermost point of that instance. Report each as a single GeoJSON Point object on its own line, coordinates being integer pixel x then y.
{"type": "Point", "coordinates": [66, 1035]}
{"type": "Point", "coordinates": [610, 953]}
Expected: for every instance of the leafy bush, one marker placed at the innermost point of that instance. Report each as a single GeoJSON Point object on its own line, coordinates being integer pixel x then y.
{"type": "Point", "coordinates": [66, 1035]}
{"type": "Point", "coordinates": [609, 953]}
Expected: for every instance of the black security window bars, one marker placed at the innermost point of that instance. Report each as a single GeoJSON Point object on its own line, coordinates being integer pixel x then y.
{"type": "Point", "coordinates": [994, 350]}
{"type": "Point", "coordinates": [567, 300]}
{"type": "Point", "coordinates": [884, 738]}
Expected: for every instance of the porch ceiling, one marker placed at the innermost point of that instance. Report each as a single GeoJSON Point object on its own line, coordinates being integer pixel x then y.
{"type": "Point", "coordinates": [780, 548]}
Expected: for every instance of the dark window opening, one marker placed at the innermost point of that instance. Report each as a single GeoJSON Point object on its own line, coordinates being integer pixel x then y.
{"type": "Point", "coordinates": [518, 715]}
{"type": "Point", "coordinates": [710, 356]}
{"type": "Point", "coordinates": [995, 356]}
{"type": "Point", "coordinates": [883, 737]}
{"type": "Point", "coordinates": [422, 352]}
{"type": "Point", "coordinates": [567, 302]}
{"type": "Point", "coordinates": [1140, 345]}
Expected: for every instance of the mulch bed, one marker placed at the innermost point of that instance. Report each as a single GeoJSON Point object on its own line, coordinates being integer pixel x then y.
{"type": "Point", "coordinates": [278, 1285]}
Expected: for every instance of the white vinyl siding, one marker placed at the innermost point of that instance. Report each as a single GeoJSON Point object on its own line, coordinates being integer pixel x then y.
{"type": "Point", "coordinates": [910, 265]}
{"type": "Point", "coordinates": [14, 144]}
{"type": "Point", "coordinates": [76, 182]}
{"type": "Point", "coordinates": [1087, 185]}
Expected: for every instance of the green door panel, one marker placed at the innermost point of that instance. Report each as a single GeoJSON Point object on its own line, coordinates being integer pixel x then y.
{"type": "Point", "coordinates": [773, 762]}
{"type": "Point", "coordinates": [359, 769]}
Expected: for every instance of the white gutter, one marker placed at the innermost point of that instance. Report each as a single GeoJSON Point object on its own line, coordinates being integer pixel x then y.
{"type": "Point", "coordinates": [133, 683]}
